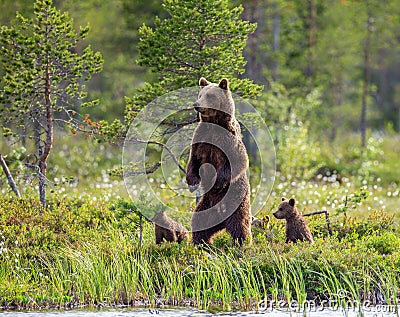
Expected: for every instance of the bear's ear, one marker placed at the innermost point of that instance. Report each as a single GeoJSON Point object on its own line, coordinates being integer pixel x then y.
{"type": "Point", "coordinates": [203, 82]}
{"type": "Point", "coordinates": [292, 202]}
{"type": "Point", "coordinates": [283, 198]}
{"type": "Point", "coordinates": [223, 84]}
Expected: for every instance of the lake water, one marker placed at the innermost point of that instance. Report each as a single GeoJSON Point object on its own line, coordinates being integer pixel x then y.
{"type": "Point", "coordinates": [379, 311]}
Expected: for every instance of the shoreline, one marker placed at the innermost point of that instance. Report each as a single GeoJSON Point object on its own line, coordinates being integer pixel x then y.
{"type": "Point", "coordinates": [271, 306]}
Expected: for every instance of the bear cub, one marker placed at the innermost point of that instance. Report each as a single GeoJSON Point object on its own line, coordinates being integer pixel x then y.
{"type": "Point", "coordinates": [168, 229]}
{"type": "Point", "coordinates": [296, 225]}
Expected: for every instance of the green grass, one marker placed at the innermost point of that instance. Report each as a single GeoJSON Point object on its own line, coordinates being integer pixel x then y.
{"type": "Point", "coordinates": [77, 254]}
{"type": "Point", "coordinates": [80, 251]}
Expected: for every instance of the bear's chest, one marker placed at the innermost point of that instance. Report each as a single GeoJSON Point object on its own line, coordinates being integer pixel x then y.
{"type": "Point", "coordinates": [208, 153]}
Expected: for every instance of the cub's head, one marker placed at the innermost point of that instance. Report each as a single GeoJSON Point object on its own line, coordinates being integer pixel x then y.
{"type": "Point", "coordinates": [215, 102]}
{"type": "Point", "coordinates": [286, 209]}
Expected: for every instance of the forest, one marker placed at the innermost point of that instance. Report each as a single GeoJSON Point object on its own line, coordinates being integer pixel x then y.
{"type": "Point", "coordinates": [96, 114]}
{"type": "Point", "coordinates": [305, 46]}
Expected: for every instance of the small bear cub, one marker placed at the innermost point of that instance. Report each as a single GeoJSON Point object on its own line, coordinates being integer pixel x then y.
{"type": "Point", "coordinates": [296, 225]}
{"type": "Point", "coordinates": [168, 229]}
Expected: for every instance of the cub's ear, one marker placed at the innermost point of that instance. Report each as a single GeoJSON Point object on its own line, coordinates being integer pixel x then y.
{"type": "Point", "coordinates": [292, 202]}
{"type": "Point", "coordinates": [223, 84]}
{"type": "Point", "coordinates": [283, 198]}
{"type": "Point", "coordinates": [203, 82]}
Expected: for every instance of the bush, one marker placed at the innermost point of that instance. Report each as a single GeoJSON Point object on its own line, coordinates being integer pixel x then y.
{"type": "Point", "coordinates": [30, 230]}
{"type": "Point", "coordinates": [385, 243]}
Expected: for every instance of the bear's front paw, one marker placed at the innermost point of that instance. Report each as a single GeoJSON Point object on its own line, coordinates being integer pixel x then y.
{"type": "Point", "coordinates": [193, 182]}
{"type": "Point", "coordinates": [192, 188]}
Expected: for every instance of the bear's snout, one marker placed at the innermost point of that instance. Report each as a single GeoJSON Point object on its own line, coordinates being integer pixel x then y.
{"type": "Point", "coordinates": [196, 106]}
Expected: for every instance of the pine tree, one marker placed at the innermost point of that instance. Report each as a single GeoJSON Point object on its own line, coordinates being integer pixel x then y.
{"type": "Point", "coordinates": [199, 38]}
{"type": "Point", "coordinates": [43, 79]}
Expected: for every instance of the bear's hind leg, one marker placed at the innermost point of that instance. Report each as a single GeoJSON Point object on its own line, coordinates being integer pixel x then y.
{"type": "Point", "coordinates": [205, 236]}
{"type": "Point", "coordinates": [238, 225]}
{"type": "Point", "coordinates": [207, 220]}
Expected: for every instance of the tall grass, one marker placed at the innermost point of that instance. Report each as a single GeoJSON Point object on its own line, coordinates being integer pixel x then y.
{"type": "Point", "coordinates": [80, 255]}
{"type": "Point", "coordinates": [354, 290]}
{"type": "Point", "coordinates": [93, 276]}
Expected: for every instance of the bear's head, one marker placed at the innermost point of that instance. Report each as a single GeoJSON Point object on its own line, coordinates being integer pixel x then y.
{"type": "Point", "coordinates": [287, 209]}
{"type": "Point", "coordinates": [215, 103]}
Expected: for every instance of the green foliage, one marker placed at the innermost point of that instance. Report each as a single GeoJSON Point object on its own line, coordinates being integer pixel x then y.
{"type": "Point", "coordinates": [280, 48]}
{"type": "Point", "coordinates": [289, 118]}
{"type": "Point", "coordinates": [131, 214]}
{"type": "Point", "coordinates": [65, 221]}
{"type": "Point", "coordinates": [384, 244]}
{"type": "Point", "coordinates": [14, 161]}
{"type": "Point", "coordinates": [214, 36]}
{"type": "Point", "coordinates": [295, 159]}
{"type": "Point", "coordinates": [79, 252]}
{"type": "Point", "coordinates": [114, 28]}
{"type": "Point", "coordinates": [208, 40]}
{"type": "Point", "coordinates": [142, 207]}
{"type": "Point", "coordinates": [345, 157]}
{"type": "Point", "coordinates": [354, 228]}
{"type": "Point", "coordinates": [305, 45]}
{"type": "Point", "coordinates": [39, 60]}
{"type": "Point", "coordinates": [43, 79]}
{"type": "Point", "coordinates": [352, 201]}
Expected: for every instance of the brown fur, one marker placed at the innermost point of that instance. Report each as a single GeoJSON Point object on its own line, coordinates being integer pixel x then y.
{"type": "Point", "coordinates": [168, 229]}
{"type": "Point", "coordinates": [218, 162]}
{"type": "Point", "coordinates": [296, 225]}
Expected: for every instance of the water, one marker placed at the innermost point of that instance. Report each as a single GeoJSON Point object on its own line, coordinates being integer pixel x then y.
{"type": "Point", "coordinates": [377, 311]}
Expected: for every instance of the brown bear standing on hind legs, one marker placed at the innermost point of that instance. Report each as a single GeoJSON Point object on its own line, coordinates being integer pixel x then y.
{"type": "Point", "coordinates": [218, 162]}
{"type": "Point", "coordinates": [296, 225]}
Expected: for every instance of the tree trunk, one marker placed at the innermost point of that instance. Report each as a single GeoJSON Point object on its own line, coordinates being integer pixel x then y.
{"type": "Point", "coordinates": [366, 80]}
{"type": "Point", "coordinates": [254, 44]}
{"type": "Point", "coordinates": [39, 148]}
{"type": "Point", "coordinates": [275, 45]}
{"type": "Point", "coordinates": [49, 131]}
{"type": "Point", "coordinates": [311, 37]}
{"type": "Point", "coordinates": [253, 67]}
{"type": "Point", "coordinates": [9, 176]}
{"type": "Point", "coordinates": [337, 102]}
